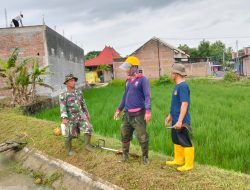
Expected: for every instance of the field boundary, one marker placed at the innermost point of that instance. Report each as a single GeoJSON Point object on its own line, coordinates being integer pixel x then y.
{"type": "Point", "coordinates": [72, 176]}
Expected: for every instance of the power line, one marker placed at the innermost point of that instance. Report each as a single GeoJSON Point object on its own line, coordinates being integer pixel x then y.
{"type": "Point", "coordinates": [183, 39]}
{"type": "Point", "coordinates": [129, 45]}
{"type": "Point", "coordinates": [210, 38]}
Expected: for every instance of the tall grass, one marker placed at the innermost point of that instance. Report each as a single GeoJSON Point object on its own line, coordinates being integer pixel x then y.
{"type": "Point", "coordinates": [220, 120]}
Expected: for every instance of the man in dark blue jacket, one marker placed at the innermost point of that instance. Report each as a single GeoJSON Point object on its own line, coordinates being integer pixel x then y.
{"type": "Point", "coordinates": [137, 108]}
{"type": "Point", "coordinates": [181, 120]}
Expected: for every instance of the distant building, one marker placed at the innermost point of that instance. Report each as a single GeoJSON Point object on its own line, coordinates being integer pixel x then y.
{"type": "Point", "coordinates": [242, 61]}
{"type": "Point", "coordinates": [106, 57]}
{"type": "Point", "coordinates": [52, 49]}
{"type": "Point", "coordinates": [156, 57]}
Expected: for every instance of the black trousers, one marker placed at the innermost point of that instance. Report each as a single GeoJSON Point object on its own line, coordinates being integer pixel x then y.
{"type": "Point", "coordinates": [181, 137]}
{"type": "Point", "coordinates": [15, 22]}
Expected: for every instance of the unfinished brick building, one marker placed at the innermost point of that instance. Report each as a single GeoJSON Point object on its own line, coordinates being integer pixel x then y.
{"type": "Point", "coordinates": [50, 48]}
{"type": "Point", "coordinates": [157, 58]}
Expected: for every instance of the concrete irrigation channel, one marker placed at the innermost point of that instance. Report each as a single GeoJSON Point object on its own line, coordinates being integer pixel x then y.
{"type": "Point", "coordinates": [10, 180]}
{"type": "Point", "coordinates": [69, 176]}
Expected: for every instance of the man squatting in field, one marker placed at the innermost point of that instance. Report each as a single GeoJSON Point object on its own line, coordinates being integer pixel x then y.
{"type": "Point", "coordinates": [74, 114]}
{"type": "Point", "coordinates": [180, 117]}
{"type": "Point", "coordinates": [137, 108]}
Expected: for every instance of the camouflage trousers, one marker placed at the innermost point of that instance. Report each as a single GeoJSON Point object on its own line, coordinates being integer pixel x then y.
{"type": "Point", "coordinates": [135, 123]}
{"type": "Point", "coordinates": [73, 128]}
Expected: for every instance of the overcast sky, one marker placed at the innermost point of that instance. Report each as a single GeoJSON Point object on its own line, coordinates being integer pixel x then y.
{"type": "Point", "coordinates": [127, 24]}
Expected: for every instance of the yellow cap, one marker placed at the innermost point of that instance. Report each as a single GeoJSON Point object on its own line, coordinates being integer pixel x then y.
{"type": "Point", "coordinates": [134, 61]}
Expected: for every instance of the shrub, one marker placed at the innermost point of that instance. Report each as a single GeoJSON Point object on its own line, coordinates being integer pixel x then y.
{"type": "Point", "coordinates": [164, 80]}
{"type": "Point", "coordinates": [117, 83]}
{"type": "Point", "coordinates": [231, 76]}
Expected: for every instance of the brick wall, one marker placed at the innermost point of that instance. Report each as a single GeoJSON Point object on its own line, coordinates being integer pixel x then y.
{"type": "Point", "coordinates": [52, 49]}
{"type": "Point", "coordinates": [107, 76]}
{"type": "Point", "coordinates": [29, 40]}
{"type": "Point", "coordinates": [246, 66]}
{"type": "Point", "coordinates": [197, 69]}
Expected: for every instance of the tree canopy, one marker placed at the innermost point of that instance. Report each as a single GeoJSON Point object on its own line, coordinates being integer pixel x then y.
{"type": "Point", "coordinates": [91, 55]}
{"type": "Point", "coordinates": [214, 51]}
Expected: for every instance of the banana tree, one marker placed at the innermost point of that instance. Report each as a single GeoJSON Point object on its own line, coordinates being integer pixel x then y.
{"type": "Point", "coordinates": [22, 82]}
{"type": "Point", "coordinates": [37, 73]}
{"type": "Point", "coordinates": [9, 69]}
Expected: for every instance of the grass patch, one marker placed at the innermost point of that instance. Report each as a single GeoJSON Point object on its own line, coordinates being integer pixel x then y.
{"type": "Point", "coordinates": [39, 178]}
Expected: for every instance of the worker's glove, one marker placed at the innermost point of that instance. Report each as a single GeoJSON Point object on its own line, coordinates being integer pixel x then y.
{"type": "Point", "coordinates": [147, 116]}
{"type": "Point", "coordinates": [65, 121]}
{"type": "Point", "coordinates": [116, 115]}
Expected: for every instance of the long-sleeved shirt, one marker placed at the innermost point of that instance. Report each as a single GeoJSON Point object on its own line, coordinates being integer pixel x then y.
{"type": "Point", "coordinates": [136, 95]}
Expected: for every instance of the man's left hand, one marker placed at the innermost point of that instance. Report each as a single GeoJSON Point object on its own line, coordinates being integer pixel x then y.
{"type": "Point", "coordinates": [178, 125]}
{"type": "Point", "coordinates": [147, 117]}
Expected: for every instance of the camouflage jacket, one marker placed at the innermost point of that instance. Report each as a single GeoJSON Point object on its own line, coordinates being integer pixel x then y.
{"type": "Point", "coordinates": [73, 106]}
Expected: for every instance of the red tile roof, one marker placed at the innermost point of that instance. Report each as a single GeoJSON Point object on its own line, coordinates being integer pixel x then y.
{"type": "Point", "coordinates": [106, 57]}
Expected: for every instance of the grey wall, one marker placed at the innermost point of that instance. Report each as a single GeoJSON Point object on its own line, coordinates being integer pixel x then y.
{"type": "Point", "coordinates": [64, 57]}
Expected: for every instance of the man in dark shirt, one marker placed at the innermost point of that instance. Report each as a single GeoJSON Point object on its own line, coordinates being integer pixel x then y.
{"type": "Point", "coordinates": [181, 120]}
{"type": "Point", "coordinates": [137, 108]}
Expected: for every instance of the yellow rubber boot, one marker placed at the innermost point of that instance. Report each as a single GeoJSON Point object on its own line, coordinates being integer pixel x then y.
{"type": "Point", "coordinates": [178, 156]}
{"type": "Point", "coordinates": [189, 159]}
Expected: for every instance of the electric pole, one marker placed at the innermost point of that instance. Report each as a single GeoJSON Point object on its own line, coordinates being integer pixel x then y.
{"type": "Point", "coordinates": [159, 61]}
{"type": "Point", "coordinates": [43, 20]}
{"type": "Point", "coordinates": [6, 19]}
{"type": "Point", "coordinates": [223, 57]}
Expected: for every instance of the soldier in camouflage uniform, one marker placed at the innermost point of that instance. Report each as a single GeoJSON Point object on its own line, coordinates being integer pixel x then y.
{"type": "Point", "coordinates": [74, 114]}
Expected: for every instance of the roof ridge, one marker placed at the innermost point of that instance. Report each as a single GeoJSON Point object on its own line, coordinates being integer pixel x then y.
{"type": "Point", "coordinates": [163, 42]}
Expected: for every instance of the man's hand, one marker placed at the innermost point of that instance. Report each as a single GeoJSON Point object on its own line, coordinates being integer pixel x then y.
{"type": "Point", "coordinates": [65, 121]}
{"type": "Point", "coordinates": [168, 120]}
{"type": "Point", "coordinates": [116, 115]}
{"type": "Point", "coordinates": [147, 117]}
{"type": "Point", "coordinates": [178, 125]}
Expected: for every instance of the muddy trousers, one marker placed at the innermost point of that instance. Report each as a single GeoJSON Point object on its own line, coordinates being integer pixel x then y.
{"type": "Point", "coordinates": [135, 123]}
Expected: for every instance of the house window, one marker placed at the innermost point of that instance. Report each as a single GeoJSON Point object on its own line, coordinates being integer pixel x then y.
{"type": "Point", "coordinates": [141, 70]}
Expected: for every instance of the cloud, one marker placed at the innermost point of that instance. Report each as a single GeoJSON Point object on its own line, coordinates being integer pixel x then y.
{"type": "Point", "coordinates": [127, 24]}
